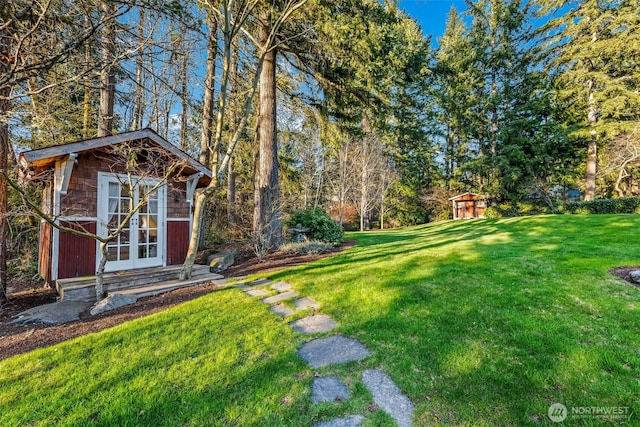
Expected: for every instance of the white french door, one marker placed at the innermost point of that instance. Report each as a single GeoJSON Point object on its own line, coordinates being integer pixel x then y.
{"type": "Point", "coordinates": [141, 243]}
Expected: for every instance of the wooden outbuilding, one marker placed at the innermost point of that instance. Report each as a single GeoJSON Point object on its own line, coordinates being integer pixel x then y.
{"type": "Point", "coordinates": [468, 205]}
{"type": "Point", "coordinates": [84, 186]}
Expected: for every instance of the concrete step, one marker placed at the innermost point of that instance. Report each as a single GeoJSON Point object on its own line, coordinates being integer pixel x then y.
{"type": "Point", "coordinates": [83, 288]}
{"type": "Point", "coordinates": [162, 287]}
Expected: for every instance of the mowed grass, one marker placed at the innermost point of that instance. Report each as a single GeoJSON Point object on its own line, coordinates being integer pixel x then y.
{"type": "Point", "coordinates": [484, 322]}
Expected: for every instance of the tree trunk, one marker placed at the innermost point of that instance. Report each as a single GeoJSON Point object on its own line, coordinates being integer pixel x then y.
{"type": "Point", "coordinates": [184, 99]}
{"type": "Point", "coordinates": [198, 215]}
{"type": "Point", "coordinates": [209, 99]}
{"type": "Point", "coordinates": [104, 252]}
{"type": "Point", "coordinates": [88, 85]}
{"type": "Point", "coordinates": [137, 107]}
{"type": "Point", "coordinates": [5, 91]}
{"type": "Point", "coordinates": [592, 150]}
{"type": "Point", "coordinates": [107, 77]}
{"type": "Point", "coordinates": [266, 215]}
{"type": "Point", "coordinates": [4, 153]}
{"type": "Point", "coordinates": [231, 193]}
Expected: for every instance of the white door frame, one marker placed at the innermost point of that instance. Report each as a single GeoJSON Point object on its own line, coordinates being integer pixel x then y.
{"type": "Point", "coordinates": [136, 228]}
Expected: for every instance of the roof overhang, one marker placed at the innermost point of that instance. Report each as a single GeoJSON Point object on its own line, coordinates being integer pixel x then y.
{"type": "Point", "coordinates": [462, 195]}
{"type": "Point", "coordinates": [45, 158]}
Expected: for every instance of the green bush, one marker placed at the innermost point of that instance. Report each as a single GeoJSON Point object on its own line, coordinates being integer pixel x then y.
{"type": "Point", "coordinates": [321, 226]}
{"type": "Point", "coordinates": [314, 247]}
{"type": "Point", "coordinates": [622, 205]}
{"type": "Point", "coordinates": [492, 212]}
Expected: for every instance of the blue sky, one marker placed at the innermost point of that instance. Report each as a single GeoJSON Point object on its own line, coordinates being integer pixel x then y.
{"type": "Point", "coordinates": [431, 14]}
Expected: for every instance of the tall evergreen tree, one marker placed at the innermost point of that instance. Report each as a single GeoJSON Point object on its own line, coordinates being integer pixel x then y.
{"type": "Point", "coordinates": [595, 47]}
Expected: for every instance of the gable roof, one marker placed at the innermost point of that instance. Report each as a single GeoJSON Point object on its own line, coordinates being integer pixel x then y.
{"type": "Point", "coordinates": [44, 158]}
{"type": "Point", "coordinates": [462, 195]}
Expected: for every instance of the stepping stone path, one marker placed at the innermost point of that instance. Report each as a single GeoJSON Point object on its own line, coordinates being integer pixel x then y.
{"type": "Point", "coordinates": [257, 292]}
{"type": "Point", "coordinates": [281, 310]}
{"type": "Point", "coordinates": [328, 389]}
{"type": "Point", "coordinates": [261, 282]}
{"type": "Point", "coordinates": [332, 350]}
{"type": "Point", "coordinates": [281, 287]}
{"type": "Point", "coordinates": [280, 297]}
{"type": "Point", "coordinates": [388, 396]}
{"type": "Point", "coordinates": [352, 421]}
{"type": "Point", "coordinates": [304, 303]}
{"type": "Point", "coordinates": [314, 324]}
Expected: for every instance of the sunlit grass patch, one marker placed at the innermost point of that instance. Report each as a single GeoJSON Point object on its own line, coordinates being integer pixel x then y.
{"type": "Point", "coordinates": [483, 322]}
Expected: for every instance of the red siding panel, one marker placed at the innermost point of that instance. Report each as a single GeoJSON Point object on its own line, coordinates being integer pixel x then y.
{"type": "Point", "coordinates": [178, 233]}
{"type": "Point", "coordinates": [76, 254]}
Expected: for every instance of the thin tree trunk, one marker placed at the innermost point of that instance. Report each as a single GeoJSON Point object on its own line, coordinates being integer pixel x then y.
{"type": "Point", "coordinates": [184, 98]}
{"type": "Point", "coordinates": [231, 193]}
{"type": "Point", "coordinates": [266, 215]}
{"type": "Point", "coordinates": [592, 150]}
{"type": "Point", "coordinates": [209, 99]}
{"type": "Point", "coordinates": [86, 102]}
{"type": "Point", "coordinates": [107, 78]}
{"type": "Point", "coordinates": [5, 92]}
{"type": "Point", "coordinates": [4, 153]}
{"type": "Point", "coordinates": [104, 252]}
{"type": "Point", "coordinates": [382, 211]}
{"type": "Point", "coordinates": [137, 107]}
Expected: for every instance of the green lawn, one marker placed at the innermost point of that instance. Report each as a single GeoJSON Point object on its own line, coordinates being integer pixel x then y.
{"type": "Point", "coordinates": [484, 322]}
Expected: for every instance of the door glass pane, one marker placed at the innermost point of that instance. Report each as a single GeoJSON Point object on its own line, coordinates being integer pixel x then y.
{"type": "Point", "coordinates": [143, 251]}
{"type": "Point", "coordinates": [112, 253]}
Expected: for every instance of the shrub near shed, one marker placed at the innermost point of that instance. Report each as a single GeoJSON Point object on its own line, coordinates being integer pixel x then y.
{"type": "Point", "coordinates": [321, 226]}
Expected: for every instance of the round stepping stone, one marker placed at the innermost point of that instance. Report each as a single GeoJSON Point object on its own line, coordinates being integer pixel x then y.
{"type": "Point", "coordinates": [314, 324]}
{"type": "Point", "coordinates": [352, 421]}
{"type": "Point", "coordinates": [280, 297]}
{"type": "Point", "coordinates": [281, 286]}
{"type": "Point", "coordinates": [257, 292]}
{"type": "Point", "coordinates": [304, 303]}
{"type": "Point", "coordinates": [332, 350]}
{"type": "Point", "coordinates": [281, 310]}
{"type": "Point", "coordinates": [389, 397]}
{"type": "Point", "coordinates": [328, 389]}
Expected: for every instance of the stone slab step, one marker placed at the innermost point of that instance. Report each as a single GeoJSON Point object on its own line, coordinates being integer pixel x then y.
{"type": "Point", "coordinates": [281, 310]}
{"type": "Point", "coordinates": [314, 324]}
{"type": "Point", "coordinates": [328, 389]}
{"type": "Point", "coordinates": [280, 297]}
{"type": "Point", "coordinates": [352, 421]}
{"type": "Point", "coordinates": [389, 397]}
{"type": "Point", "coordinates": [256, 292]}
{"type": "Point", "coordinates": [304, 303]}
{"type": "Point", "coordinates": [281, 286]}
{"type": "Point", "coordinates": [332, 351]}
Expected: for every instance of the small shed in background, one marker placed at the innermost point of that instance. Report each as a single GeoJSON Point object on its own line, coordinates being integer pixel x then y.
{"type": "Point", "coordinates": [468, 205]}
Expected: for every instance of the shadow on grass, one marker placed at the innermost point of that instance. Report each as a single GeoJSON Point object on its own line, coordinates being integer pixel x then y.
{"type": "Point", "coordinates": [489, 322]}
